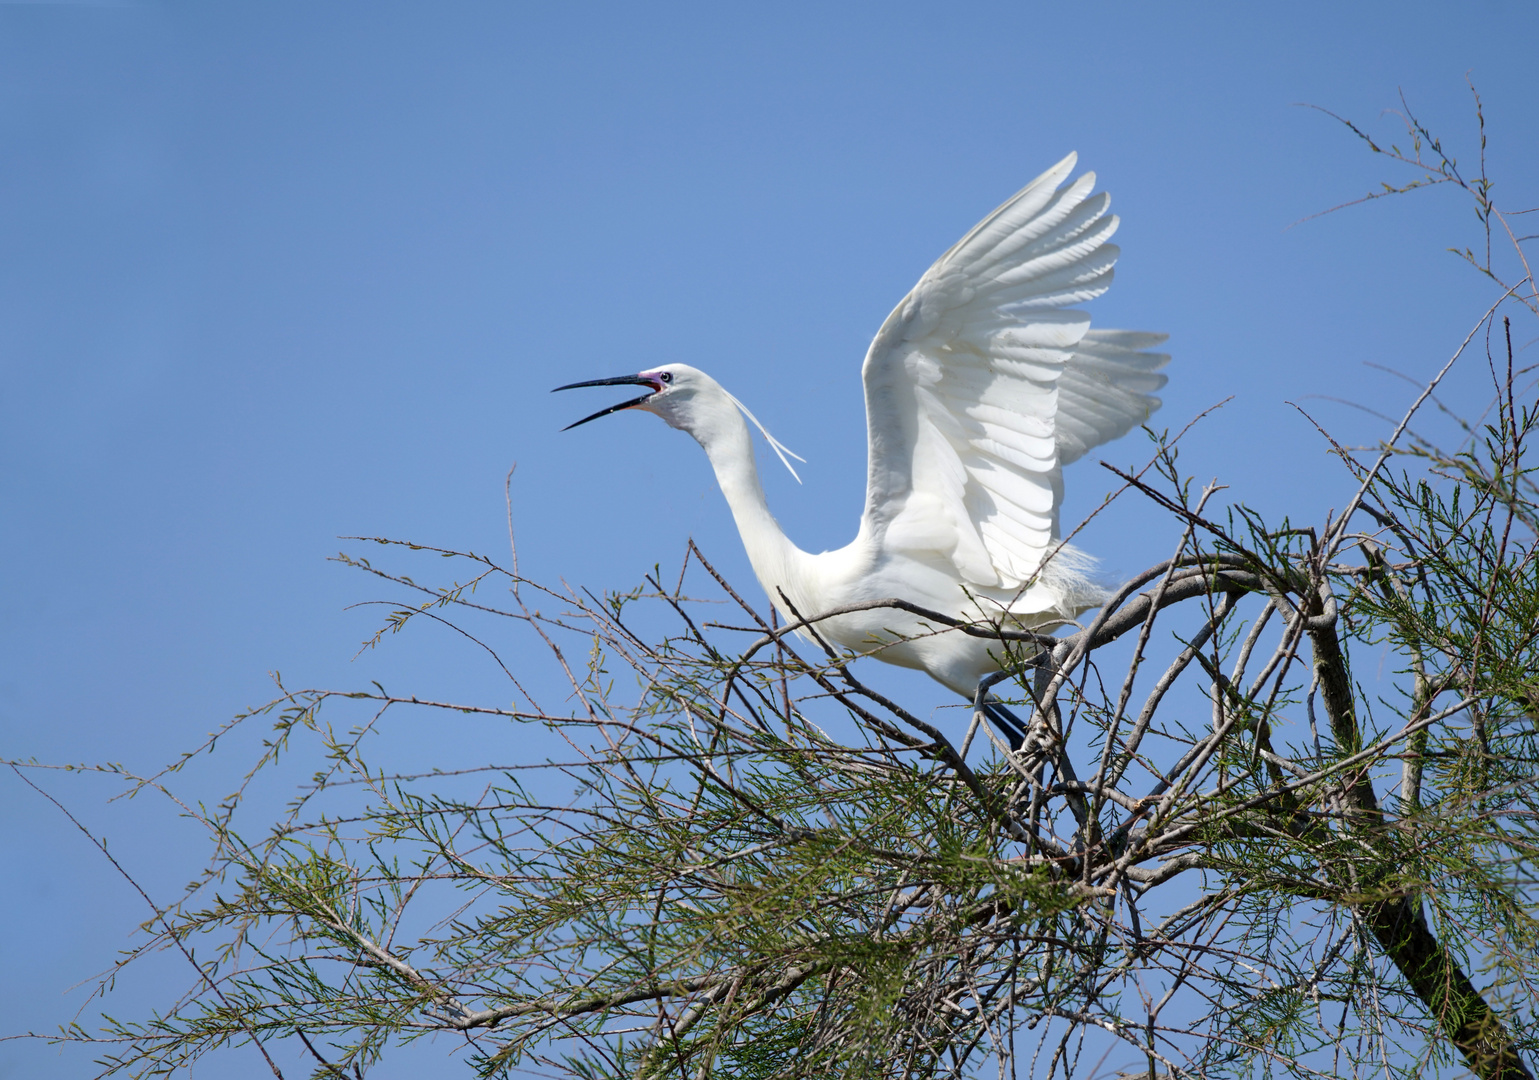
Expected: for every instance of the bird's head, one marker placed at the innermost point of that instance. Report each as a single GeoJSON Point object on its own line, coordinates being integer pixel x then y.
{"type": "Point", "coordinates": [674, 392]}
{"type": "Point", "coordinates": [688, 399]}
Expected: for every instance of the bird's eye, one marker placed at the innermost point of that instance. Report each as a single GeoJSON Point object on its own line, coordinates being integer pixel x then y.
{"type": "Point", "coordinates": [665, 377]}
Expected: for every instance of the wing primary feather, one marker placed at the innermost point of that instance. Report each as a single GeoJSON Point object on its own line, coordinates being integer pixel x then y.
{"type": "Point", "coordinates": [982, 384]}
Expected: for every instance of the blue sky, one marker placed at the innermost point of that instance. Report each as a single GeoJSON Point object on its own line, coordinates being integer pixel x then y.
{"type": "Point", "coordinates": [279, 273]}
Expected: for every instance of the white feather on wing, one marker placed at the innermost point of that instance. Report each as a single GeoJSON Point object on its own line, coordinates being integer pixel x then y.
{"type": "Point", "coordinates": [979, 386]}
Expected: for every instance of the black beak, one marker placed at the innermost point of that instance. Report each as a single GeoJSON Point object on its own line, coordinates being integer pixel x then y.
{"type": "Point", "coordinates": [622, 380]}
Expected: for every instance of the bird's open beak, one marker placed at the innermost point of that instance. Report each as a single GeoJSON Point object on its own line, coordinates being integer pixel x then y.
{"type": "Point", "coordinates": [652, 385]}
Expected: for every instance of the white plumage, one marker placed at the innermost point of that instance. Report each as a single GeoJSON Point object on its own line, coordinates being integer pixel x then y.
{"type": "Point", "coordinates": [980, 387]}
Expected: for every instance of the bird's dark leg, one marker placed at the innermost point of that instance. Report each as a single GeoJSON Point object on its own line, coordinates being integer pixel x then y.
{"type": "Point", "coordinates": [1007, 723]}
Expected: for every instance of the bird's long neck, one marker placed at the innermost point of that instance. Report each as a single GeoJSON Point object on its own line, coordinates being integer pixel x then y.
{"type": "Point", "coordinates": [729, 445]}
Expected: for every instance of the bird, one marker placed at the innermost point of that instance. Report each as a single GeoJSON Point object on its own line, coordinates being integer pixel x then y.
{"type": "Point", "coordinates": [980, 386]}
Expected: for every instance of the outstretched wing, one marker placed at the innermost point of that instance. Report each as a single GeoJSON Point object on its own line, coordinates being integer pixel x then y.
{"type": "Point", "coordinates": [980, 386]}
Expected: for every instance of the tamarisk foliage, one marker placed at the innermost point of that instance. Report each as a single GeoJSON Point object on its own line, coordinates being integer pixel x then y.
{"type": "Point", "coordinates": [1224, 849]}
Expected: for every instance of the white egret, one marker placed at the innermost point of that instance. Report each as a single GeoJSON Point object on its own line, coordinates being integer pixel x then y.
{"type": "Point", "coordinates": [980, 387]}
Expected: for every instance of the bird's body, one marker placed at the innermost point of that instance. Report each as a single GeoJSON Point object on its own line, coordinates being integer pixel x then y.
{"type": "Point", "coordinates": [979, 386]}
{"type": "Point", "coordinates": [803, 584]}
